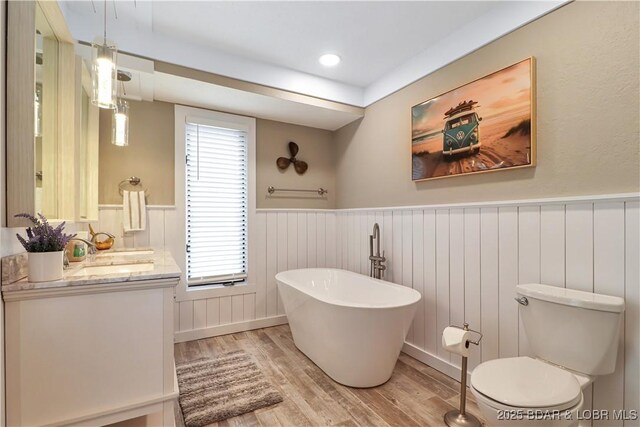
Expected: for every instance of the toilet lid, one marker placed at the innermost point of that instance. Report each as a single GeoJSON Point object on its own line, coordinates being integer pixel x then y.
{"type": "Point", "coordinates": [524, 382]}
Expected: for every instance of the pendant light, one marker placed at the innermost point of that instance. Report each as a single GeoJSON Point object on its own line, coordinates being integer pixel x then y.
{"type": "Point", "coordinates": [120, 121]}
{"type": "Point", "coordinates": [37, 102]}
{"type": "Point", "coordinates": [120, 131]}
{"type": "Point", "coordinates": [37, 105]}
{"type": "Point", "coordinates": [104, 69]}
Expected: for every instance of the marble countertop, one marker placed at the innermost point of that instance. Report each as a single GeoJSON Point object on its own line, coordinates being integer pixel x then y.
{"type": "Point", "coordinates": [164, 267]}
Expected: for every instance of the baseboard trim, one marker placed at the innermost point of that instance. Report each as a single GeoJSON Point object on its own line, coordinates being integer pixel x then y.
{"type": "Point", "coordinates": [435, 362]}
{"type": "Point", "coordinates": [229, 328]}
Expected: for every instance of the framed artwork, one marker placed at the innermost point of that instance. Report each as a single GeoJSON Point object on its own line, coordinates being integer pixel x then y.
{"type": "Point", "coordinates": [486, 125]}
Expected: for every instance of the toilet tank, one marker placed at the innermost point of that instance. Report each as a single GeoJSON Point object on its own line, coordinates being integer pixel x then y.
{"type": "Point", "coordinates": [574, 329]}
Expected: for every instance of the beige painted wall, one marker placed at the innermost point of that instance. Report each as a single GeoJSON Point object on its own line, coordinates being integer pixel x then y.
{"type": "Point", "coordinates": [149, 156]}
{"type": "Point", "coordinates": [588, 111]}
{"type": "Point", "coordinates": [316, 148]}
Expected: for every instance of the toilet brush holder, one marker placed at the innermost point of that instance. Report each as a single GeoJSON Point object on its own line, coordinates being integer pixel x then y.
{"type": "Point", "coordinates": [460, 418]}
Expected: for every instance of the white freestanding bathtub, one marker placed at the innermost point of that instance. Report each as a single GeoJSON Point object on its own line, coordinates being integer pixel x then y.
{"type": "Point", "coordinates": [351, 326]}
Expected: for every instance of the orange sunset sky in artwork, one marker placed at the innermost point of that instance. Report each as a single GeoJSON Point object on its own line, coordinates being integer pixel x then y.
{"type": "Point", "coordinates": [501, 92]}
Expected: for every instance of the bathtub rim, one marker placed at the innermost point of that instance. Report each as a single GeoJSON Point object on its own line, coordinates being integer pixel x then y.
{"type": "Point", "coordinates": [411, 291]}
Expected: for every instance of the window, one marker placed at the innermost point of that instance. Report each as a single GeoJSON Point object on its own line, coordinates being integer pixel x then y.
{"type": "Point", "coordinates": [216, 206]}
{"type": "Point", "coordinates": [464, 120]}
{"type": "Point", "coordinates": [215, 180]}
{"type": "Point", "coordinates": [451, 124]}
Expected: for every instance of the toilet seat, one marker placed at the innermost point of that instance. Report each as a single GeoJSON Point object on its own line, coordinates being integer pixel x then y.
{"type": "Point", "coordinates": [523, 382]}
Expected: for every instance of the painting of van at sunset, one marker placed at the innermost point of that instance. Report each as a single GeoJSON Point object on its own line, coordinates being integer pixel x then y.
{"type": "Point", "coordinates": [485, 125]}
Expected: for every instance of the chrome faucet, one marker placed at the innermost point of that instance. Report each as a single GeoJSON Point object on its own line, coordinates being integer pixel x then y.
{"type": "Point", "coordinates": [377, 260]}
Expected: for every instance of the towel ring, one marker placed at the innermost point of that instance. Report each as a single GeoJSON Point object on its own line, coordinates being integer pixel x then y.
{"type": "Point", "coordinates": [134, 181]}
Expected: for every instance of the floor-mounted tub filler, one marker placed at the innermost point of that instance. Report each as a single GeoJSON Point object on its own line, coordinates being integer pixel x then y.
{"type": "Point", "coordinates": [350, 325]}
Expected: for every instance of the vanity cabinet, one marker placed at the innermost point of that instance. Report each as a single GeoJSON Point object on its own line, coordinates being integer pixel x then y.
{"type": "Point", "coordinates": [90, 352]}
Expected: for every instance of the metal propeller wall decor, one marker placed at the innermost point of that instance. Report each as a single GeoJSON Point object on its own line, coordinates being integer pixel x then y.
{"type": "Point", "coordinates": [300, 166]}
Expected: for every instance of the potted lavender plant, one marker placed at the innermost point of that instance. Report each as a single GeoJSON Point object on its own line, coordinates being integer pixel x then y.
{"type": "Point", "coordinates": [45, 247]}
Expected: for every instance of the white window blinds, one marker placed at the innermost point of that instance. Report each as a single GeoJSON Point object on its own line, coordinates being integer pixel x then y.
{"type": "Point", "coordinates": [216, 205]}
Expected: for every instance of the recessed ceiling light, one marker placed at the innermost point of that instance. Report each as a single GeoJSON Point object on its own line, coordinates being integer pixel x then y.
{"type": "Point", "coordinates": [329, 60]}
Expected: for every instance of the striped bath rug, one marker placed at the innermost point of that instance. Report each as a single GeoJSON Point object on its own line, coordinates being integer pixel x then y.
{"type": "Point", "coordinates": [222, 387]}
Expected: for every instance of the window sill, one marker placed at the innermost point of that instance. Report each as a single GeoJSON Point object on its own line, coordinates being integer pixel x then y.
{"type": "Point", "coordinates": [185, 293]}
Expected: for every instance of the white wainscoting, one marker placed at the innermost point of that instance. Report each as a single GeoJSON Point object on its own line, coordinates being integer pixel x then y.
{"type": "Point", "coordinates": [160, 223]}
{"type": "Point", "coordinates": [464, 259]}
{"type": "Point", "coordinates": [467, 260]}
{"type": "Point", "coordinates": [286, 239]}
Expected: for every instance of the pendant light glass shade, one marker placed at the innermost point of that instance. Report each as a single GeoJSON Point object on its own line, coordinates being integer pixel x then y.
{"type": "Point", "coordinates": [120, 130]}
{"type": "Point", "coordinates": [103, 73]}
{"type": "Point", "coordinates": [37, 105]}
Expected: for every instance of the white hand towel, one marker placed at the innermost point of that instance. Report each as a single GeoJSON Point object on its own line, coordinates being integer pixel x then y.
{"type": "Point", "coordinates": [134, 211]}
{"type": "Point", "coordinates": [143, 210]}
{"type": "Point", "coordinates": [126, 211]}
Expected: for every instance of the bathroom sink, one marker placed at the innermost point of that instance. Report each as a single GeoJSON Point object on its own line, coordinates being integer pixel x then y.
{"type": "Point", "coordinates": [127, 253]}
{"type": "Point", "coordinates": [101, 270]}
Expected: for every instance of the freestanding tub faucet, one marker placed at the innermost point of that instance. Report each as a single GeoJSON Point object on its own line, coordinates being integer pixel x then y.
{"type": "Point", "coordinates": [377, 260]}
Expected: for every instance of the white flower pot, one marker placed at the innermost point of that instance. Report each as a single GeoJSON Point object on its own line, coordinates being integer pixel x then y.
{"type": "Point", "coordinates": [45, 266]}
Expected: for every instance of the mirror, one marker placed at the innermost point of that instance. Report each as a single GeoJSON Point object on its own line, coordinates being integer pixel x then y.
{"type": "Point", "coordinates": [52, 134]}
{"type": "Point", "coordinates": [87, 164]}
{"type": "Point", "coordinates": [45, 117]}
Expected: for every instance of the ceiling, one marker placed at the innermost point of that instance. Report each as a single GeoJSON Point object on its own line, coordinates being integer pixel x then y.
{"type": "Point", "coordinates": [384, 45]}
{"type": "Point", "coordinates": [371, 37]}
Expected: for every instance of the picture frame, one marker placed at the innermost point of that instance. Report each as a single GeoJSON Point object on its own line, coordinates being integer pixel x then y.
{"type": "Point", "coordinates": [486, 125]}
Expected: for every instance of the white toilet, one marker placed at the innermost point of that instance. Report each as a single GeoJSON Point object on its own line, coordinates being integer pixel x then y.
{"type": "Point", "coordinates": [573, 336]}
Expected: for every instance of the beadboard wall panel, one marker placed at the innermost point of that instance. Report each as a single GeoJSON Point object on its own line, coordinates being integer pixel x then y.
{"type": "Point", "coordinates": [632, 315]}
{"type": "Point", "coordinates": [285, 239]}
{"type": "Point", "coordinates": [467, 261]}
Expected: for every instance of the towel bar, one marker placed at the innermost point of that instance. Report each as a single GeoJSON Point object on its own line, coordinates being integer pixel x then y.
{"type": "Point", "coordinates": [321, 191]}
{"type": "Point", "coordinates": [133, 180]}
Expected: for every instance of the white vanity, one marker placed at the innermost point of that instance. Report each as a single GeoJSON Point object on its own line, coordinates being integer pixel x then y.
{"type": "Point", "coordinates": [95, 347]}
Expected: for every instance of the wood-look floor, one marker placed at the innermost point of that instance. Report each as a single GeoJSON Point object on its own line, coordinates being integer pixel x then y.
{"type": "Point", "coordinates": [416, 394]}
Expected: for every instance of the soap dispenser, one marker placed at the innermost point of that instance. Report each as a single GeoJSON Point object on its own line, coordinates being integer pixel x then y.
{"type": "Point", "coordinates": [76, 251]}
